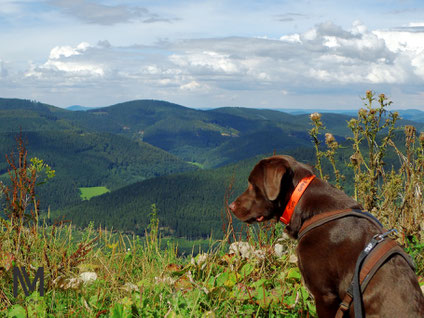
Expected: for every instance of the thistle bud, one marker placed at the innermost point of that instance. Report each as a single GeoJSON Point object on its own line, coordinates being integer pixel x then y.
{"type": "Point", "coordinates": [315, 116]}
{"type": "Point", "coordinates": [395, 115]}
{"type": "Point", "coordinates": [422, 138]}
{"type": "Point", "coordinates": [363, 112]}
{"type": "Point", "coordinates": [329, 138]}
{"type": "Point", "coordinates": [368, 94]}
{"type": "Point", "coordinates": [352, 123]}
{"type": "Point", "coordinates": [410, 131]}
{"type": "Point", "coordinates": [355, 159]}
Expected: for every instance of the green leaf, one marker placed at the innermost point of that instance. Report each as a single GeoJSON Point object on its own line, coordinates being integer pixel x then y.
{"type": "Point", "coordinates": [117, 311]}
{"type": "Point", "coordinates": [246, 270]}
{"type": "Point", "coordinates": [231, 281]}
{"type": "Point", "coordinates": [304, 292]}
{"type": "Point", "coordinates": [221, 279]}
{"type": "Point", "coordinates": [260, 283]}
{"type": "Point", "coordinates": [294, 273]}
{"type": "Point", "coordinates": [290, 300]}
{"type": "Point", "coordinates": [17, 311]}
{"type": "Point", "coordinates": [263, 298]}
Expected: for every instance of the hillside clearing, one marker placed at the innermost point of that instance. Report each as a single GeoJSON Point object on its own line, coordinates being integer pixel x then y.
{"type": "Point", "coordinates": [88, 192]}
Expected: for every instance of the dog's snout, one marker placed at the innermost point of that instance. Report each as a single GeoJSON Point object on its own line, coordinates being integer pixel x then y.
{"type": "Point", "coordinates": [232, 206]}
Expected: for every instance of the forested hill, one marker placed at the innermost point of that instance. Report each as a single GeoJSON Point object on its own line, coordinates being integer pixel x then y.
{"type": "Point", "coordinates": [139, 141]}
{"type": "Point", "coordinates": [88, 159]}
{"type": "Point", "coordinates": [191, 204]}
{"type": "Point", "coordinates": [210, 138]}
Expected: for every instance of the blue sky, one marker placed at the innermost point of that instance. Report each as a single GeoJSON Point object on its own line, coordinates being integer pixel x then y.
{"type": "Point", "coordinates": [263, 54]}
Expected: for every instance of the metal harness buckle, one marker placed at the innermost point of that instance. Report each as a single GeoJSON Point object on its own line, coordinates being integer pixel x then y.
{"type": "Point", "coordinates": [381, 237]}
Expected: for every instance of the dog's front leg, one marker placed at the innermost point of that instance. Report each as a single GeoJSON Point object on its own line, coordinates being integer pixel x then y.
{"type": "Point", "coordinates": [327, 305]}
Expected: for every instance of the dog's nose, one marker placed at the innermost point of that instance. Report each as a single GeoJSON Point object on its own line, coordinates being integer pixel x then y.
{"type": "Point", "coordinates": [232, 206]}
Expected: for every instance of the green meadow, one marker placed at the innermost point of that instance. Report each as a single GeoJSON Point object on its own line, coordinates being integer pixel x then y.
{"type": "Point", "coordinates": [88, 192]}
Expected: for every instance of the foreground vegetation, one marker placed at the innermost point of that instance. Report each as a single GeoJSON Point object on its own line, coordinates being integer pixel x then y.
{"type": "Point", "coordinates": [96, 273]}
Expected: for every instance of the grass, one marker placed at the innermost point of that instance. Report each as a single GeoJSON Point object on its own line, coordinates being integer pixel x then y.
{"type": "Point", "coordinates": [88, 192]}
{"type": "Point", "coordinates": [136, 278]}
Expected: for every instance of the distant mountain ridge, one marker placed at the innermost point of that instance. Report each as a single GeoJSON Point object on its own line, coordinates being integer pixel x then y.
{"type": "Point", "coordinates": [410, 114]}
{"type": "Point", "coordinates": [207, 137]}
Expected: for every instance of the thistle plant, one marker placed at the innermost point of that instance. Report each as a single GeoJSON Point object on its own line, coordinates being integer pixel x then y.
{"type": "Point", "coordinates": [330, 153]}
{"type": "Point", "coordinates": [368, 126]}
{"type": "Point", "coordinates": [314, 133]}
{"type": "Point", "coordinates": [395, 196]}
{"type": "Point", "coordinates": [332, 147]}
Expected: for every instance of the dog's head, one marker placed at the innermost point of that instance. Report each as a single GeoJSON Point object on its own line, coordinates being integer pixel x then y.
{"type": "Point", "coordinates": [270, 186]}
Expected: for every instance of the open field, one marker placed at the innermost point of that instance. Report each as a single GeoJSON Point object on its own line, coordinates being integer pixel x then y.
{"type": "Point", "coordinates": [88, 192]}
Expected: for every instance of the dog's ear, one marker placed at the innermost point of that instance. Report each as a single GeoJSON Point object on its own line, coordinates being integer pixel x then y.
{"type": "Point", "coordinates": [273, 174]}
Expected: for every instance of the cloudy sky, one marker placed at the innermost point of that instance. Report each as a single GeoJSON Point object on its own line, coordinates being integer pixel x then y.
{"type": "Point", "coordinates": [211, 53]}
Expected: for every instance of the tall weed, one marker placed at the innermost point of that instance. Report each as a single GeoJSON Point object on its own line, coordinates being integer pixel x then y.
{"type": "Point", "coordinates": [394, 196]}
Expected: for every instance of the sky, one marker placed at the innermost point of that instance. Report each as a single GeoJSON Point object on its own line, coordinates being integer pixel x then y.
{"type": "Point", "coordinates": [204, 54]}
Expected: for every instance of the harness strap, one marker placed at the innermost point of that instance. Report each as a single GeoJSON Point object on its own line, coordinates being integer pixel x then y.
{"type": "Point", "coordinates": [325, 217]}
{"type": "Point", "coordinates": [372, 263]}
{"type": "Point", "coordinates": [382, 252]}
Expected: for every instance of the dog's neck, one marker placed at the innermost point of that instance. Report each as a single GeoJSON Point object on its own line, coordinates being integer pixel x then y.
{"type": "Point", "coordinates": [319, 197]}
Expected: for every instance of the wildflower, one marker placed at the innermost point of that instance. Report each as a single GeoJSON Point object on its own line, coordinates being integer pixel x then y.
{"type": "Point", "coordinates": [395, 115]}
{"type": "Point", "coordinates": [410, 131]}
{"type": "Point", "coordinates": [352, 123]}
{"type": "Point", "coordinates": [329, 139]}
{"type": "Point", "coordinates": [315, 116]}
{"type": "Point", "coordinates": [422, 138]}
{"type": "Point", "coordinates": [363, 112]}
{"type": "Point", "coordinates": [355, 159]}
{"type": "Point", "coordinates": [368, 94]}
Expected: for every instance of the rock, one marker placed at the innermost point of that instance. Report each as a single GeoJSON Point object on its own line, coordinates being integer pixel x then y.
{"type": "Point", "coordinates": [165, 280]}
{"type": "Point", "coordinates": [242, 248]}
{"type": "Point", "coordinates": [422, 288]}
{"type": "Point", "coordinates": [75, 282]}
{"type": "Point", "coordinates": [200, 260]}
{"type": "Point", "coordinates": [284, 237]}
{"type": "Point", "coordinates": [279, 250]}
{"type": "Point", "coordinates": [293, 259]}
{"type": "Point", "coordinates": [67, 283]}
{"type": "Point", "coordinates": [259, 254]}
{"type": "Point", "coordinates": [129, 287]}
{"type": "Point", "coordinates": [88, 277]}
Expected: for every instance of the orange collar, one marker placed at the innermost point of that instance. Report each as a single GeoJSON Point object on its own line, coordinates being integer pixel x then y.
{"type": "Point", "coordinates": [294, 199]}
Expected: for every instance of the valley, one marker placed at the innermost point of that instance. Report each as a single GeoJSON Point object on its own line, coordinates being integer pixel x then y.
{"type": "Point", "coordinates": [113, 163]}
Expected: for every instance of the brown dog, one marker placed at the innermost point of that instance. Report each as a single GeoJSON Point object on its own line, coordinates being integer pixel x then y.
{"type": "Point", "coordinates": [327, 255]}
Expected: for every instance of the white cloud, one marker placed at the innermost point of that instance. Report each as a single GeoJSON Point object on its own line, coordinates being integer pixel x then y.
{"type": "Point", "coordinates": [206, 60]}
{"type": "Point", "coordinates": [92, 12]}
{"type": "Point", "coordinates": [67, 60]}
{"type": "Point", "coordinates": [193, 85]}
{"type": "Point", "coordinates": [326, 58]}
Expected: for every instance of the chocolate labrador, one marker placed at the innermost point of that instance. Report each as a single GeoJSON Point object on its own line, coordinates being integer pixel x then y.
{"type": "Point", "coordinates": [327, 255]}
